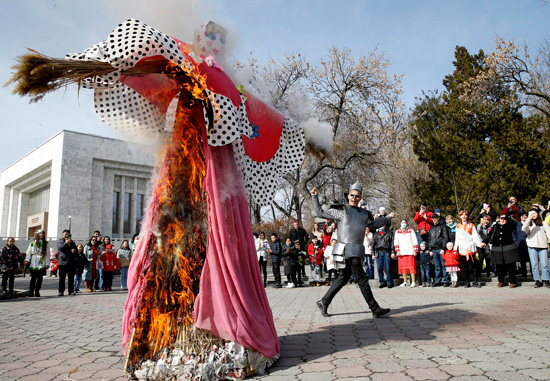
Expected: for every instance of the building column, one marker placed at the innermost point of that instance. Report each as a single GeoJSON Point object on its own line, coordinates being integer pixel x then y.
{"type": "Point", "coordinates": [133, 220]}
{"type": "Point", "coordinates": [121, 201]}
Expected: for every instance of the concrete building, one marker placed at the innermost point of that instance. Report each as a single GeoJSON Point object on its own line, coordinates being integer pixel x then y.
{"type": "Point", "coordinates": [79, 180]}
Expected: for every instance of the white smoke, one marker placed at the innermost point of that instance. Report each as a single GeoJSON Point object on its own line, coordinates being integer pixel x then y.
{"type": "Point", "coordinates": [319, 134]}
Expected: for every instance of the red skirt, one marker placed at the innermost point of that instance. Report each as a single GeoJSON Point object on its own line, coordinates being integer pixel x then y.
{"type": "Point", "coordinates": [406, 264]}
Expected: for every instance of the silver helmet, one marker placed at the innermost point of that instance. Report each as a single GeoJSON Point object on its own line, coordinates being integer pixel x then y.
{"type": "Point", "coordinates": [356, 187]}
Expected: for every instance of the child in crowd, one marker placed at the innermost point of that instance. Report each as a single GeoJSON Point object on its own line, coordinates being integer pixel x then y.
{"type": "Point", "coordinates": [424, 258]}
{"type": "Point", "coordinates": [368, 243]}
{"type": "Point", "coordinates": [110, 263]}
{"type": "Point", "coordinates": [81, 261]}
{"type": "Point", "coordinates": [332, 266]}
{"type": "Point", "coordinates": [290, 264]}
{"type": "Point", "coordinates": [315, 251]}
{"type": "Point", "coordinates": [10, 261]}
{"type": "Point", "coordinates": [451, 263]}
{"type": "Point", "coordinates": [124, 256]}
{"type": "Point", "coordinates": [451, 226]}
{"type": "Point", "coordinates": [53, 262]}
{"type": "Point", "coordinates": [297, 257]}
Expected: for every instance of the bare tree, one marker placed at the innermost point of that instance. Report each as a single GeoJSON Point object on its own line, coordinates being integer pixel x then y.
{"type": "Point", "coordinates": [360, 101]}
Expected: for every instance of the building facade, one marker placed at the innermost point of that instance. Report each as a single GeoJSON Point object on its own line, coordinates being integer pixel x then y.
{"type": "Point", "coordinates": [82, 181]}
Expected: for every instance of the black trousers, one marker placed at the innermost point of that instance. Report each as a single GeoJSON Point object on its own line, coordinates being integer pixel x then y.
{"type": "Point", "coordinates": [108, 279]}
{"type": "Point", "coordinates": [8, 280]}
{"type": "Point", "coordinates": [353, 266]}
{"type": "Point", "coordinates": [294, 270]}
{"type": "Point", "coordinates": [509, 268]}
{"type": "Point", "coordinates": [36, 281]}
{"type": "Point", "coordinates": [263, 269]}
{"type": "Point", "coordinates": [64, 272]}
{"type": "Point", "coordinates": [276, 266]}
{"type": "Point", "coordinates": [470, 268]}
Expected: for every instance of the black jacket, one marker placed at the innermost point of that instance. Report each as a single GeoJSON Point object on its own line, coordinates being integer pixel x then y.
{"type": "Point", "coordinates": [383, 243]}
{"type": "Point", "coordinates": [276, 251]}
{"type": "Point", "coordinates": [439, 236]}
{"type": "Point", "coordinates": [299, 234]}
{"type": "Point", "coordinates": [65, 255]}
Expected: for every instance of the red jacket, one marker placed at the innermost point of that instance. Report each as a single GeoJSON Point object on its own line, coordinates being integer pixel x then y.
{"type": "Point", "coordinates": [110, 261]}
{"type": "Point", "coordinates": [326, 237]}
{"type": "Point", "coordinates": [423, 221]}
{"type": "Point", "coordinates": [451, 257]}
{"type": "Point", "coordinates": [315, 254]}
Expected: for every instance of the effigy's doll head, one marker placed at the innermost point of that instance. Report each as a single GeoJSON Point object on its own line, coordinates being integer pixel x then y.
{"type": "Point", "coordinates": [210, 39]}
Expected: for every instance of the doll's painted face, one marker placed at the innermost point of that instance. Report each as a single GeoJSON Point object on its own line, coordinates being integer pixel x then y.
{"type": "Point", "coordinates": [449, 245]}
{"type": "Point", "coordinates": [211, 39]}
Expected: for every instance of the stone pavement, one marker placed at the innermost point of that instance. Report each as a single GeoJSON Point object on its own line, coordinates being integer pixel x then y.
{"type": "Point", "coordinates": [431, 334]}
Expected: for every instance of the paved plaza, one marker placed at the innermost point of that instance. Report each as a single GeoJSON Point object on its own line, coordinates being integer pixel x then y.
{"type": "Point", "coordinates": [431, 334]}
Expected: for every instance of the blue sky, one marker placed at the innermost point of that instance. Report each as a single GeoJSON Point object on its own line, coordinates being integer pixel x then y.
{"type": "Point", "coordinates": [419, 38]}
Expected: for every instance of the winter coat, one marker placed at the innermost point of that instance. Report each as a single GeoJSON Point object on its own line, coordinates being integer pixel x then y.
{"type": "Point", "coordinates": [405, 242]}
{"type": "Point", "coordinates": [423, 221]}
{"type": "Point", "coordinates": [451, 230]}
{"type": "Point", "coordinates": [124, 257]}
{"type": "Point", "coordinates": [38, 259]}
{"type": "Point", "coordinates": [514, 210]}
{"type": "Point", "coordinates": [368, 242]}
{"type": "Point", "coordinates": [261, 248]}
{"type": "Point", "coordinates": [82, 261]}
{"type": "Point", "coordinates": [287, 259]}
{"type": "Point", "coordinates": [326, 237]}
{"type": "Point", "coordinates": [537, 236]}
{"type": "Point", "coordinates": [424, 257]}
{"type": "Point", "coordinates": [65, 255]}
{"type": "Point", "coordinates": [383, 242]}
{"type": "Point", "coordinates": [276, 251]}
{"type": "Point", "coordinates": [11, 258]}
{"type": "Point", "coordinates": [451, 257]}
{"type": "Point", "coordinates": [299, 234]}
{"type": "Point", "coordinates": [439, 237]}
{"type": "Point", "coordinates": [503, 249]}
{"type": "Point", "coordinates": [91, 262]}
{"type": "Point", "coordinates": [519, 235]}
{"type": "Point", "coordinates": [315, 253]}
{"type": "Point", "coordinates": [110, 261]}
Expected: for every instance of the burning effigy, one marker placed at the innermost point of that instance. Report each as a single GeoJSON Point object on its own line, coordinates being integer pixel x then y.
{"type": "Point", "coordinates": [196, 307]}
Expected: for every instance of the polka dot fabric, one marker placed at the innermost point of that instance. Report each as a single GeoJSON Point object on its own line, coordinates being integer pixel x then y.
{"type": "Point", "coordinates": [125, 110]}
{"type": "Point", "coordinates": [260, 178]}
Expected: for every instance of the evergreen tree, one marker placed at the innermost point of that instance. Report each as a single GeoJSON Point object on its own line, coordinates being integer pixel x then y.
{"type": "Point", "coordinates": [477, 151]}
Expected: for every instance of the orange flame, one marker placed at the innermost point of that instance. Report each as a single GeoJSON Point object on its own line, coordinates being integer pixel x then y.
{"type": "Point", "coordinates": [177, 254]}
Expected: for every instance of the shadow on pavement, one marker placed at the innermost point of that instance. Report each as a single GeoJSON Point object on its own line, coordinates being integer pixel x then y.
{"type": "Point", "coordinates": [415, 322]}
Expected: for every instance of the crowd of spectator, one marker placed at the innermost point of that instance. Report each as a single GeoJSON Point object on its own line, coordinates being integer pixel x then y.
{"type": "Point", "coordinates": [442, 251]}
{"type": "Point", "coordinates": [93, 262]}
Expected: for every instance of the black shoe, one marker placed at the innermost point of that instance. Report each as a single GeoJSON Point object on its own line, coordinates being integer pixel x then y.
{"type": "Point", "coordinates": [446, 284]}
{"type": "Point", "coordinates": [390, 285]}
{"type": "Point", "coordinates": [37, 294]}
{"type": "Point", "coordinates": [477, 285]}
{"type": "Point", "coordinates": [538, 284]}
{"type": "Point", "coordinates": [323, 308]}
{"type": "Point", "coordinates": [60, 294]}
{"type": "Point", "coordinates": [379, 311]}
{"type": "Point", "coordinates": [546, 283]}
{"type": "Point", "coordinates": [381, 286]}
{"type": "Point", "coordinates": [468, 285]}
{"type": "Point", "coordinates": [278, 285]}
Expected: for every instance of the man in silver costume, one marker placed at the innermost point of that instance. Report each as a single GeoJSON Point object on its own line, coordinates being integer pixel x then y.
{"type": "Point", "coordinates": [353, 222]}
